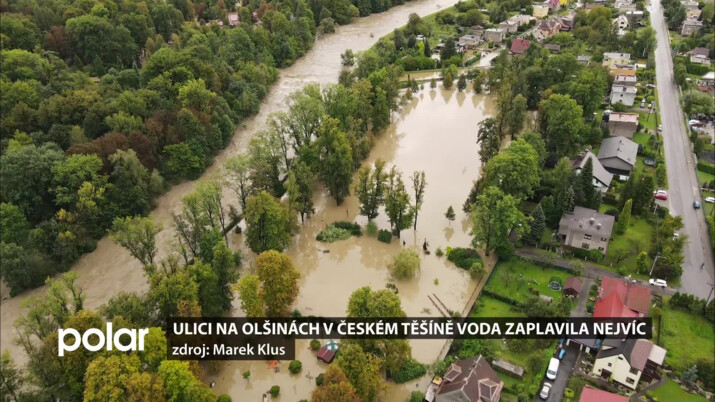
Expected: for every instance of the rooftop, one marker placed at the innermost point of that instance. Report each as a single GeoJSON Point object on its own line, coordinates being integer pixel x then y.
{"type": "Point", "coordinates": [596, 395]}
{"type": "Point", "coordinates": [588, 221]}
{"type": "Point", "coordinates": [623, 89]}
{"type": "Point", "coordinates": [623, 117]}
{"type": "Point", "coordinates": [619, 147]}
{"type": "Point", "coordinates": [599, 172]}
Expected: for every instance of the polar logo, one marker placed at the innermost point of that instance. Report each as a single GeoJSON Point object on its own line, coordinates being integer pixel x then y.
{"type": "Point", "coordinates": [112, 340]}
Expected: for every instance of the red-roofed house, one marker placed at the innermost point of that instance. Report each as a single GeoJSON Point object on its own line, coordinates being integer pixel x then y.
{"type": "Point", "coordinates": [326, 355]}
{"type": "Point", "coordinates": [596, 395]}
{"type": "Point", "coordinates": [632, 300]}
{"type": "Point", "coordinates": [519, 46]}
{"type": "Point", "coordinates": [470, 380]}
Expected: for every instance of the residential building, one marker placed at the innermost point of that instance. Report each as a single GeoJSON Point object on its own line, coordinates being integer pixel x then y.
{"type": "Point", "coordinates": [519, 46]}
{"type": "Point", "coordinates": [567, 21]}
{"type": "Point", "coordinates": [708, 79]}
{"type": "Point", "coordinates": [613, 59]}
{"type": "Point", "coordinates": [548, 28]}
{"type": "Point", "coordinates": [495, 35]}
{"type": "Point", "coordinates": [585, 59]}
{"type": "Point", "coordinates": [618, 155]}
{"type": "Point", "coordinates": [553, 48]}
{"type": "Point", "coordinates": [553, 5]}
{"type": "Point", "coordinates": [622, 124]}
{"type": "Point", "coordinates": [540, 11]}
{"type": "Point", "coordinates": [692, 9]}
{"type": "Point", "coordinates": [586, 229]}
{"type": "Point", "coordinates": [233, 19]}
{"type": "Point", "coordinates": [621, 22]}
{"type": "Point", "coordinates": [618, 299]}
{"type": "Point", "coordinates": [469, 41]}
{"type": "Point", "coordinates": [690, 26]}
{"type": "Point", "coordinates": [626, 80]}
{"type": "Point", "coordinates": [634, 17]}
{"type": "Point", "coordinates": [700, 55]}
{"type": "Point", "coordinates": [470, 380]}
{"type": "Point", "coordinates": [627, 361]}
{"type": "Point", "coordinates": [624, 70]}
{"type": "Point", "coordinates": [601, 177]}
{"type": "Point", "coordinates": [625, 6]}
{"type": "Point", "coordinates": [589, 394]}
{"type": "Point", "coordinates": [623, 94]}
{"type": "Point", "coordinates": [509, 26]}
{"type": "Point", "coordinates": [521, 19]}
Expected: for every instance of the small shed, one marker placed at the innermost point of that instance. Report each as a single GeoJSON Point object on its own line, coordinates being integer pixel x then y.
{"type": "Point", "coordinates": [326, 355]}
{"type": "Point", "coordinates": [508, 368]}
{"type": "Point", "coordinates": [572, 287]}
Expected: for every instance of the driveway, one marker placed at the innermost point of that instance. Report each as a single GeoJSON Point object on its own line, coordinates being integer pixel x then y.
{"type": "Point", "coordinates": [562, 376]}
{"type": "Point", "coordinates": [580, 309]}
{"type": "Point", "coordinates": [684, 186]}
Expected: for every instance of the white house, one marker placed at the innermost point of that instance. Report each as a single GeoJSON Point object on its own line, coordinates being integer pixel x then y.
{"type": "Point", "coordinates": [624, 94]}
{"type": "Point", "coordinates": [627, 361]}
{"type": "Point", "coordinates": [690, 26]}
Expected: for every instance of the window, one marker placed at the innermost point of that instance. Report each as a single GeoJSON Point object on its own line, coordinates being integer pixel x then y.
{"type": "Point", "coordinates": [620, 357]}
{"type": "Point", "coordinates": [609, 364]}
{"type": "Point", "coordinates": [587, 236]}
{"type": "Point", "coordinates": [634, 370]}
{"type": "Point", "coordinates": [585, 245]}
{"type": "Point", "coordinates": [629, 380]}
{"type": "Point", "coordinates": [604, 239]}
{"type": "Point", "coordinates": [600, 249]}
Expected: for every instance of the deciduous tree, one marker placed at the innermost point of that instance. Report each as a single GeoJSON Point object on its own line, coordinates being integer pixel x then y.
{"type": "Point", "coordinates": [279, 282]}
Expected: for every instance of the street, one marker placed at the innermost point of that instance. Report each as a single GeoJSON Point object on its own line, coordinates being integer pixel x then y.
{"type": "Point", "coordinates": [682, 179]}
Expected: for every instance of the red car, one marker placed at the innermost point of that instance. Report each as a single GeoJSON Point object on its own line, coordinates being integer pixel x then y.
{"type": "Point", "coordinates": [660, 194]}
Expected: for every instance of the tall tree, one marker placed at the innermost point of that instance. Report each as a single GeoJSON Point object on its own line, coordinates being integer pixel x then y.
{"type": "Point", "coordinates": [363, 371]}
{"type": "Point", "coordinates": [397, 203]}
{"type": "Point", "coordinates": [419, 183]}
{"type": "Point", "coordinates": [537, 225]}
{"type": "Point", "coordinates": [515, 117]}
{"type": "Point", "coordinates": [106, 377]}
{"type": "Point", "coordinates": [279, 282]}
{"type": "Point", "coordinates": [495, 216]}
{"type": "Point", "coordinates": [248, 288]}
{"type": "Point", "coordinates": [335, 387]}
{"type": "Point", "coordinates": [336, 160]}
{"type": "Point", "coordinates": [489, 139]}
{"type": "Point", "coordinates": [209, 199]}
{"type": "Point", "coordinates": [370, 189]}
{"type": "Point", "coordinates": [591, 196]}
{"type": "Point", "coordinates": [237, 171]}
{"type": "Point", "coordinates": [300, 186]}
{"type": "Point", "coordinates": [624, 217]}
{"type": "Point", "coordinates": [138, 235]}
{"type": "Point", "coordinates": [515, 170]}
{"type": "Point", "coordinates": [560, 122]}
{"type": "Point", "coordinates": [269, 224]}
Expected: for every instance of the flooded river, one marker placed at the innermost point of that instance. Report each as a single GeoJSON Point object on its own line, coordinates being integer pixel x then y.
{"type": "Point", "coordinates": [435, 133]}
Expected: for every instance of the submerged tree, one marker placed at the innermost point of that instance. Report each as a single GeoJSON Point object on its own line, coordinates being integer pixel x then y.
{"type": "Point", "coordinates": [397, 203]}
{"type": "Point", "coordinates": [370, 189]}
{"type": "Point", "coordinates": [136, 234]}
{"type": "Point", "coordinates": [419, 183]}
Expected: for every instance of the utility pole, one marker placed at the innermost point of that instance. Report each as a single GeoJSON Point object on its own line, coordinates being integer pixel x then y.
{"type": "Point", "coordinates": [653, 267]}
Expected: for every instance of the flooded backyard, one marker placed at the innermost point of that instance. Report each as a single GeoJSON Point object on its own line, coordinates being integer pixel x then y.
{"type": "Point", "coordinates": [435, 133]}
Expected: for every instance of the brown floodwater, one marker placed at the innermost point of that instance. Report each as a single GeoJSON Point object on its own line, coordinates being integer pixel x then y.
{"type": "Point", "coordinates": [435, 133]}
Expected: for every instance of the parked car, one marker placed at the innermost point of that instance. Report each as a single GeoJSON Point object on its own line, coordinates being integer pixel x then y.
{"type": "Point", "coordinates": [710, 199]}
{"type": "Point", "coordinates": [658, 282]}
{"type": "Point", "coordinates": [552, 369]}
{"type": "Point", "coordinates": [660, 194]}
{"type": "Point", "coordinates": [544, 394]}
{"type": "Point", "coordinates": [660, 127]}
{"type": "Point", "coordinates": [696, 204]}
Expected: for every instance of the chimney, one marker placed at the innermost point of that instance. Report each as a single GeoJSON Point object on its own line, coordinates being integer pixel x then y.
{"type": "Point", "coordinates": [592, 220]}
{"type": "Point", "coordinates": [598, 226]}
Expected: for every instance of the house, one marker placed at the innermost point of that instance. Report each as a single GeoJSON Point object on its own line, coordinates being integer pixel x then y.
{"type": "Point", "coordinates": [521, 19]}
{"type": "Point", "coordinates": [495, 35]}
{"type": "Point", "coordinates": [625, 6]}
{"type": "Point", "coordinates": [553, 48]}
{"type": "Point", "coordinates": [621, 22]}
{"type": "Point", "coordinates": [692, 9]}
{"type": "Point", "coordinates": [540, 11]}
{"type": "Point", "coordinates": [591, 6]}
{"type": "Point", "coordinates": [572, 286]}
{"type": "Point", "coordinates": [623, 70]}
{"type": "Point", "coordinates": [553, 5]}
{"type": "Point", "coordinates": [233, 19]}
{"type": "Point", "coordinates": [690, 25]}
{"type": "Point", "coordinates": [589, 394]}
{"type": "Point", "coordinates": [634, 17]}
{"type": "Point", "coordinates": [627, 361]}
{"type": "Point", "coordinates": [623, 94]}
{"type": "Point", "coordinates": [519, 46]}
{"type": "Point", "coordinates": [618, 155]}
{"type": "Point", "coordinates": [586, 229]}
{"type": "Point", "coordinates": [626, 80]}
{"type": "Point", "coordinates": [585, 59]}
{"type": "Point", "coordinates": [613, 59]}
{"type": "Point", "coordinates": [548, 28]}
{"type": "Point", "coordinates": [325, 355]}
{"type": "Point", "coordinates": [700, 55]}
{"type": "Point", "coordinates": [708, 79]}
{"type": "Point", "coordinates": [618, 299]}
{"type": "Point", "coordinates": [622, 124]}
{"type": "Point", "coordinates": [469, 41]}
{"type": "Point", "coordinates": [509, 26]}
{"type": "Point", "coordinates": [601, 177]}
{"type": "Point", "coordinates": [470, 380]}
{"type": "Point", "coordinates": [567, 21]}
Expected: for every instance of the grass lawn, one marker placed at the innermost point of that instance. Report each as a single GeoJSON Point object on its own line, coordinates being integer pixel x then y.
{"type": "Point", "coordinates": [505, 280]}
{"type": "Point", "coordinates": [637, 238]}
{"type": "Point", "coordinates": [671, 391]}
{"type": "Point", "coordinates": [646, 122]}
{"type": "Point", "coordinates": [708, 205]}
{"type": "Point", "coordinates": [704, 177]}
{"type": "Point", "coordinates": [486, 306]}
{"type": "Point", "coordinates": [681, 325]}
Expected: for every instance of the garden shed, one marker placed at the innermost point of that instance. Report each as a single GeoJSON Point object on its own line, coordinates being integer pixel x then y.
{"type": "Point", "coordinates": [572, 287]}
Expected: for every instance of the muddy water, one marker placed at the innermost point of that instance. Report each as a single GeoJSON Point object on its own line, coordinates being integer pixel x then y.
{"type": "Point", "coordinates": [110, 269]}
{"type": "Point", "coordinates": [434, 133]}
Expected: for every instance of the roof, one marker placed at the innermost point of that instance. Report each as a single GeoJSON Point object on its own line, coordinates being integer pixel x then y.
{"type": "Point", "coordinates": [616, 55]}
{"type": "Point", "coordinates": [584, 58]}
{"type": "Point", "coordinates": [623, 117]}
{"type": "Point", "coordinates": [549, 25]}
{"type": "Point", "coordinates": [589, 394]}
{"type": "Point", "coordinates": [519, 46]}
{"type": "Point", "coordinates": [622, 78]}
{"type": "Point", "coordinates": [474, 377]}
{"type": "Point", "coordinates": [693, 21]}
{"type": "Point", "coordinates": [700, 51]}
{"type": "Point", "coordinates": [552, 47]}
{"type": "Point", "coordinates": [635, 297]}
{"type": "Point", "coordinates": [636, 351]}
{"type": "Point", "coordinates": [573, 283]}
{"type": "Point", "coordinates": [588, 221]}
{"type": "Point", "coordinates": [623, 89]}
{"type": "Point", "coordinates": [325, 355]}
{"type": "Point", "coordinates": [599, 172]}
{"type": "Point", "coordinates": [709, 76]}
{"type": "Point", "coordinates": [657, 355]}
{"type": "Point", "coordinates": [611, 307]}
{"type": "Point", "coordinates": [618, 147]}
{"type": "Point", "coordinates": [623, 71]}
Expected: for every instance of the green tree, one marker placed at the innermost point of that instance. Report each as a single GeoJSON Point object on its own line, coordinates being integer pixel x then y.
{"type": "Point", "coordinates": [14, 226]}
{"type": "Point", "coordinates": [12, 379]}
{"type": "Point", "coordinates": [248, 288]}
{"type": "Point", "coordinates": [495, 216]}
{"type": "Point", "coordinates": [696, 102]}
{"type": "Point", "coordinates": [300, 186]}
{"type": "Point", "coordinates": [624, 217]}
{"type": "Point", "coordinates": [397, 203]}
{"type": "Point", "coordinates": [660, 175]}
{"type": "Point", "coordinates": [560, 122]}
{"type": "Point", "coordinates": [515, 117]}
{"type": "Point", "coordinates": [106, 377]}
{"type": "Point", "coordinates": [362, 370]}
{"type": "Point", "coordinates": [370, 189]}
{"type": "Point", "coordinates": [405, 264]}
{"type": "Point", "coordinates": [450, 214]}
{"type": "Point", "coordinates": [180, 383]}
{"type": "Point", "coordinates": [419, 183]}
{"type": "Point", "coordinates": [336, 160]}
{"type": "Point", "coordinates": [145, 386]}
{"type": "Point", "coordinates": [138, 235]}
{"type": "Point", "coordinates": [279, 282]}
{"type": "Point", "coordinates": [137, 309]}
{"type": "Point", "coordinates": [591, 196]}
{"type": "Point", "coordinates": [537, 225]}
{"type": "Point", "coordinates": [489, 139]}
{"type": "Point", "coordinates": [462, 83]}
{"type": "Point", "coordinates": [237, 175]}
{"type": "Point", "coordinates": [167, 290]}
{"type": "Point", "coordinates": [642, 263]}
{"type": "Point", "coordinates": [268, 223]}
{"type": "Point", "coordinates": [588, 89]}
{"type": "Point", "coordinates": [335, 387]}
{"type": "Point", "coordinates": [515, 170]}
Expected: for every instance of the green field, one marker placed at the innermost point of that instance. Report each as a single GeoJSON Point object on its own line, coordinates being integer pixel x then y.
{"type": "Point", "coordinates": [671, 391]}
{"type": "Point", "coordinates": [637, 238]}
{"type": "Point", "coordinates": [514, 277]}
{"type": "Point", "coordinates": [680, 325]}
{"type": "Point", "coordinates": [490, 307]}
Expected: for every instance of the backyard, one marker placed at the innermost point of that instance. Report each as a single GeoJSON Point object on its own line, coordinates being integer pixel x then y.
{"type": "Point", "coordinates": [671, 391]}
{"type": "Point", "coordinates": [514, 278]}
{"type": "Point", "coordinates": [678, 325]}
{"type": "Point", "coordinates": [624, 249]}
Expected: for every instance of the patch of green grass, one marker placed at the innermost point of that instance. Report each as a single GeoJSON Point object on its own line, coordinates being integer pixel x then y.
{"type": "Point", "coordinates": [486, 307]}
{"type": "Point", "coordinates": [681, 325]}
{"type": "Point", "coordinates": [514, 277]}
{"type": "Point", "coordinates": [671, 391]}
{"type": "Point", "coordinates": [637, 238]}
{"type": "Point", "coordinates": [647, 121]}
{"type": "Point", "coordinates": [704, 177]}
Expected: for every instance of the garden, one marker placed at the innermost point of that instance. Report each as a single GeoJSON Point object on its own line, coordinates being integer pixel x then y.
{"type": "Point", "coordinates": [518, 278]}
{"type": "Point", "coordinates": [671, 391]}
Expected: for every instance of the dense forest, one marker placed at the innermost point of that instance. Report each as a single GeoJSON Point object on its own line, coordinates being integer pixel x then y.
{"type": "Point", "coordinates": [105, 102]}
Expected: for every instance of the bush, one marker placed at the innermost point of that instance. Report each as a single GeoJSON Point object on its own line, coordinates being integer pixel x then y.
{"type": "Point", "coordinates": [405, 264]}
{"type": "Point", "coordinates": [411, 370]}
{"type": "Point", "coordinates": [417, 396]}
{"type": "Point", "coordinates": [320, 379]}
{"type": "Point", "coordinates": [295, 366]}
{"type": "Point", "coordinates": [384, 236]}
{"type": "Point", "coordinates": [464, 258]}
{"type": "Point", "coordinates": [314, 345]}
{"type": "Point", "coordinates": [332, 233]}
{"type": "Point", "coordinates": [223, 398]}
{"type": "Point", "coordinates": [439, 252]}
{"type": "Point", "coordinates": [706, 167]}
{"type": "Point", "coordinates": [351, 227]}
{"type": "Point", "coordinates": [275, 390]}
{"type": "Point", "coordinates": [568, 393]}
{"type": "Point", "coordinates": [371, 229]}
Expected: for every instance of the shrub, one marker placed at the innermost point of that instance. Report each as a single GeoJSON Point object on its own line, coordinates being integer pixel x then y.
{"type": "Point", "coordinates": [314, 345]}
{"type": "Point", "coordinates": [706, 167]}
{"type": "Point", "coordinates": [223, 398]}
{"type": "Point", "coordinates": [384, 236]}
{"type": "Point", "coordinates": [295, 366]}
{"type": "Point", "coordinates": [320, 379]}
{"type": "Point", "coordinates": [411, 370]}
{"type": "Point", "coordinates": [333, 233]}
{"type": "Point", "coordinates": [568, 393]}
{"type": "Point", "coordinates": [371, 229]}
{"type": "Point", "coordinates": [405, 264]}
{"type": "Point", "coordinates": [275, 390]}
{"type": "Point", "coordinates": [464, 258]}
{"type": "Point", "coordinates": [439, 252]}
{"type": "Point", "coordinates": [351, 227]}
{"type": "Point", "coordinates": [246, 374]}
{"type": "Point", "coordinates": [417, 396]}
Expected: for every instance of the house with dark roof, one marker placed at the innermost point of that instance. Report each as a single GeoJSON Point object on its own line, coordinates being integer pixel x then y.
{"type": "Point", "coordinates": [470, 380]}
{"type": "Point", "coordinates": [586, 229]}
{"type": "Point", "coordinates": [601, 177]}
{"type": "Point", "coordinates": [700, 55]}
{"type": "Point", "coordinates": [519, 46]}
{"type": "Point", "coordinates": [690, 26]}
{"type": "Point", "coordinates": [626, 361]}
{"type": "Point", "coordinates": [572, 286]}
{"type": "Point", "coordinates": [622, 124]}
{"type": "Point", "coordinates": [618, 155]}
{"type": "Point", "coordinates": [621, 299]}
{"type": "Point", "coordinates": [589, 394]}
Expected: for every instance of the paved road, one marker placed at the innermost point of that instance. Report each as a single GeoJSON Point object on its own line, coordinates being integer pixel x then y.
{"type": "Point", "coordinates": [681, 167]}
{"type": "Point", "coordinates": [562, 376]}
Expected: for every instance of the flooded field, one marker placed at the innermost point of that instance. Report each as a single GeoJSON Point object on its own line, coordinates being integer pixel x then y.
{"type": "Point", "coordinates": [436, 133]}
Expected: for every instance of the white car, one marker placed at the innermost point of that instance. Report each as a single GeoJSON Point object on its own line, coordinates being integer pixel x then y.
{"type": "Point", "coordinates": [660, 127]}
{"type": "Point", "coordinates": [658, 282]}
{"type": "Point", "coordinates": [710, 199]}
{"type": "Point", "coordinates": [544, 394]}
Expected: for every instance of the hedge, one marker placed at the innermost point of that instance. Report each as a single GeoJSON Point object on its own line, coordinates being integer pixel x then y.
{"type": "Point", "coordinates": [501, 297]}
{"type": "Point", "coordinates": [706, 167]}
{"type": "Point", "coordinates": [351, 227]}
{"type": "Point", "coordinates": [384, 236]}
{"type": "Point", "coordinates": [463, 257]}
{"type": "Point", "coordinates": [411, 370]}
